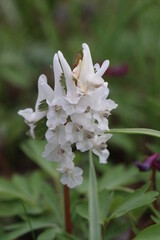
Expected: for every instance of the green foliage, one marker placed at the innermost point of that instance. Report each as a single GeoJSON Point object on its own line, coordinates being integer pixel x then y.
{"type": "Point", "coordinates": [94, 227]}
{"type": "Point", "coordinates": [33, 149]}
{"type": "Point", "coordinates": [149, 233]}
{"type": "Point", "coordinates": [20, 229]}
{"type": "Point", "coordinates": [33, 196]}
{"type": "Point", "coordinates": [135, 200]}
{"type": "Point", "coordinates": [49, 234]}
{"type": "Point", "coordinates": [143, 131]}
{"type": "Point", "coordinates": [122, 177]}
{"type": "Point", "coordinates": [105, 200]}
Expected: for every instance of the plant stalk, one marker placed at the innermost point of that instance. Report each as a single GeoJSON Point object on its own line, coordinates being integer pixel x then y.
{"type": "Point", "coordinates": [68, 223]}
{"type": "Point", "coordinates": [154, 187]}
{"type": "Point", "coordinates": [153, 179]}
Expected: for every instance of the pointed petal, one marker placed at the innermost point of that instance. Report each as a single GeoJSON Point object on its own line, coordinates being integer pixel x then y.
{"type": "Point", "coordinates": [57, 76]}
{"type": "Point", "coordinates": [71, 87]}
{"type": "Point", "coordinates": [48, 93]}
{"type": "Point", "coordinates": [96, 66]}
{"type": "Point", "coordinates": [65, 65]}
{"type": "Point", "coordinates": [102, 69]}
{"type": "Point", "coordinates": [26, 114]}
{"type": "Point", "coordinates": [42, 80]}
{"type": "Point", "coordinates": [90, 63]}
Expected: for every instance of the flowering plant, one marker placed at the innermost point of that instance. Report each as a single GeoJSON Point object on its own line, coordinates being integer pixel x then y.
{"type": "Point", "coordinates": [76, 113]}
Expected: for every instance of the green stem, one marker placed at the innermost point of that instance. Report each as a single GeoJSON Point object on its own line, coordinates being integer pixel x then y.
{"type": "Point", "coordinates": [155, 211]}
{"type": "Point", "coordinates": [153, 182]}
{"type": "Point", "coordinates": [28, 220]}
{"type": "Point", "coordinates": [153, 179]}
{"type": "Point", "coordinates": [142, 131]}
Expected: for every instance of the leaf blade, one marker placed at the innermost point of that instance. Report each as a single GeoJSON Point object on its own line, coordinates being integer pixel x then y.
{"type": "Point", "coordinates": [135, 200]}
{"type": "Point", "coordinates": [94, 227]}
{"type": "Point", "coordinates": [149, 233]}
{"type": "Point", "coordinates": [143, 131]}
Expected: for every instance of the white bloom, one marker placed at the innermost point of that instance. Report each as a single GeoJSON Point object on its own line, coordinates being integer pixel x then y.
{"type": "Point", "coordinates": [84, 120]}
{"type": "Point", "coordinates": [85, 142]}
{"type": "Point", "coordinates": [88, 80]}
{"type": "Point", "coordinates": [56, 136]}
{"type": "Point", "coordinates": [58, 153]}
{"type": "Point", "coordinates": [72, 132]}
{"type": "Point", "coordinates": [57, 147]}
{"type": "Point", "coordinates": [99, 147]}
{"type": "Point", "coordinates": [30, 116]}
{"type": "Point", "coordinates": [55, 99]}
{"type": "Point", "coordinates": [72, 94]}
{"type": "Point", "coordinates": [101, 114]}
{"type": "Point", "coordinates": [71, 176]}
{"type": "Point", "coordinates": [77, 113]}
{"type": "Point", "coordinates": [56, 116]}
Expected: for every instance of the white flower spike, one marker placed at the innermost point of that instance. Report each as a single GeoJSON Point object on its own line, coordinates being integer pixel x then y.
{"type": "Point", "coordinates": [77, 113]}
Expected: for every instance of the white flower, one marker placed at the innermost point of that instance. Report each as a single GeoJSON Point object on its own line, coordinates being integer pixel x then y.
{"type": "Point", "coordinates": [85, 142]}
{"type": "Point", "coordinates": [57, 147]}
{"type": "Point", "coordinates": [56, 136]}
{"type": "Point", "coordinates": [71, 176]}
{"type": "Point", "coordinates": [30, 116]}
{"type": "Point", "coordinates": [101, 114]}
{"type": "Point", "coordinates": [58, 153]}
{"type": "Point", "coordinates": [99, 147]}
{"type": "Point", "coordinates": [72, 95]}
{"type": "Point", "coordinates": [77, 113]}
{"type": "Point", "coordinates": [87, 79]}
{"type": "Point", "coordinates": [55, 99]}
{"type": "Point", "coordinates": [75, 102]}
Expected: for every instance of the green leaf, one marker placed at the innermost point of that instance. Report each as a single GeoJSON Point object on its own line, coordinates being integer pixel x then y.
{"type": "Point", "coordinates": [53, 202]}
{"type": "Point", "coordinates": [10, 208]}
{"type": "Point", "coordinates": [35, 181]}
{"type": "Point", "coordinates": [143, 131]}
{"type": "Point", "coordinates": [105, 199]}
{"type": "Point", "coordinates": [135, 200]}
{"type": "Point", "coordinates": [66, 236]}
{"type": "Point", "coordinates": [82, 210]}
{"type": "Point", "coordinates": [116, 229]}
{"type": "Point", "coordinates": [150, 233]}
{"type": "Point", "coordinates": [94, 227]}
{"type": "Point", "coordinates": [33, 149]}
{"type": "Point", "coordinates": [9, 191]}
{"type": "Point", "coordinates": [48, 234]}
{"type": "Point", "coordinates": [155, 219]}
{"type": "Point", "coordinates": [22, 185]}
{"type": "Point", "coordinates": [123, 177]}
{"type": "Point", "coordinates": [23, 228]}
{"type": "Point", "coordinates": [28, 190]}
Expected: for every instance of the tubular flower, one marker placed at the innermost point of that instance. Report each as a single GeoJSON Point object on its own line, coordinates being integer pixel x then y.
{"type": "Point", "coordinates": [32, 117]}
{"type": "Point", "coordinates": [152, 161]}
{"type": "Point", "coordinates": [76, 113]}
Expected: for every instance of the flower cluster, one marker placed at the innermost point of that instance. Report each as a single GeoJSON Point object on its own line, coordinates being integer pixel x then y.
{"type": "Point", "coordinates": [77, 113]}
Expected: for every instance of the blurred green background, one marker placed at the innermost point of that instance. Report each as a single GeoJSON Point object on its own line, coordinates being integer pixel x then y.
{"type": "Point", "coordinates": [125, 32]}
